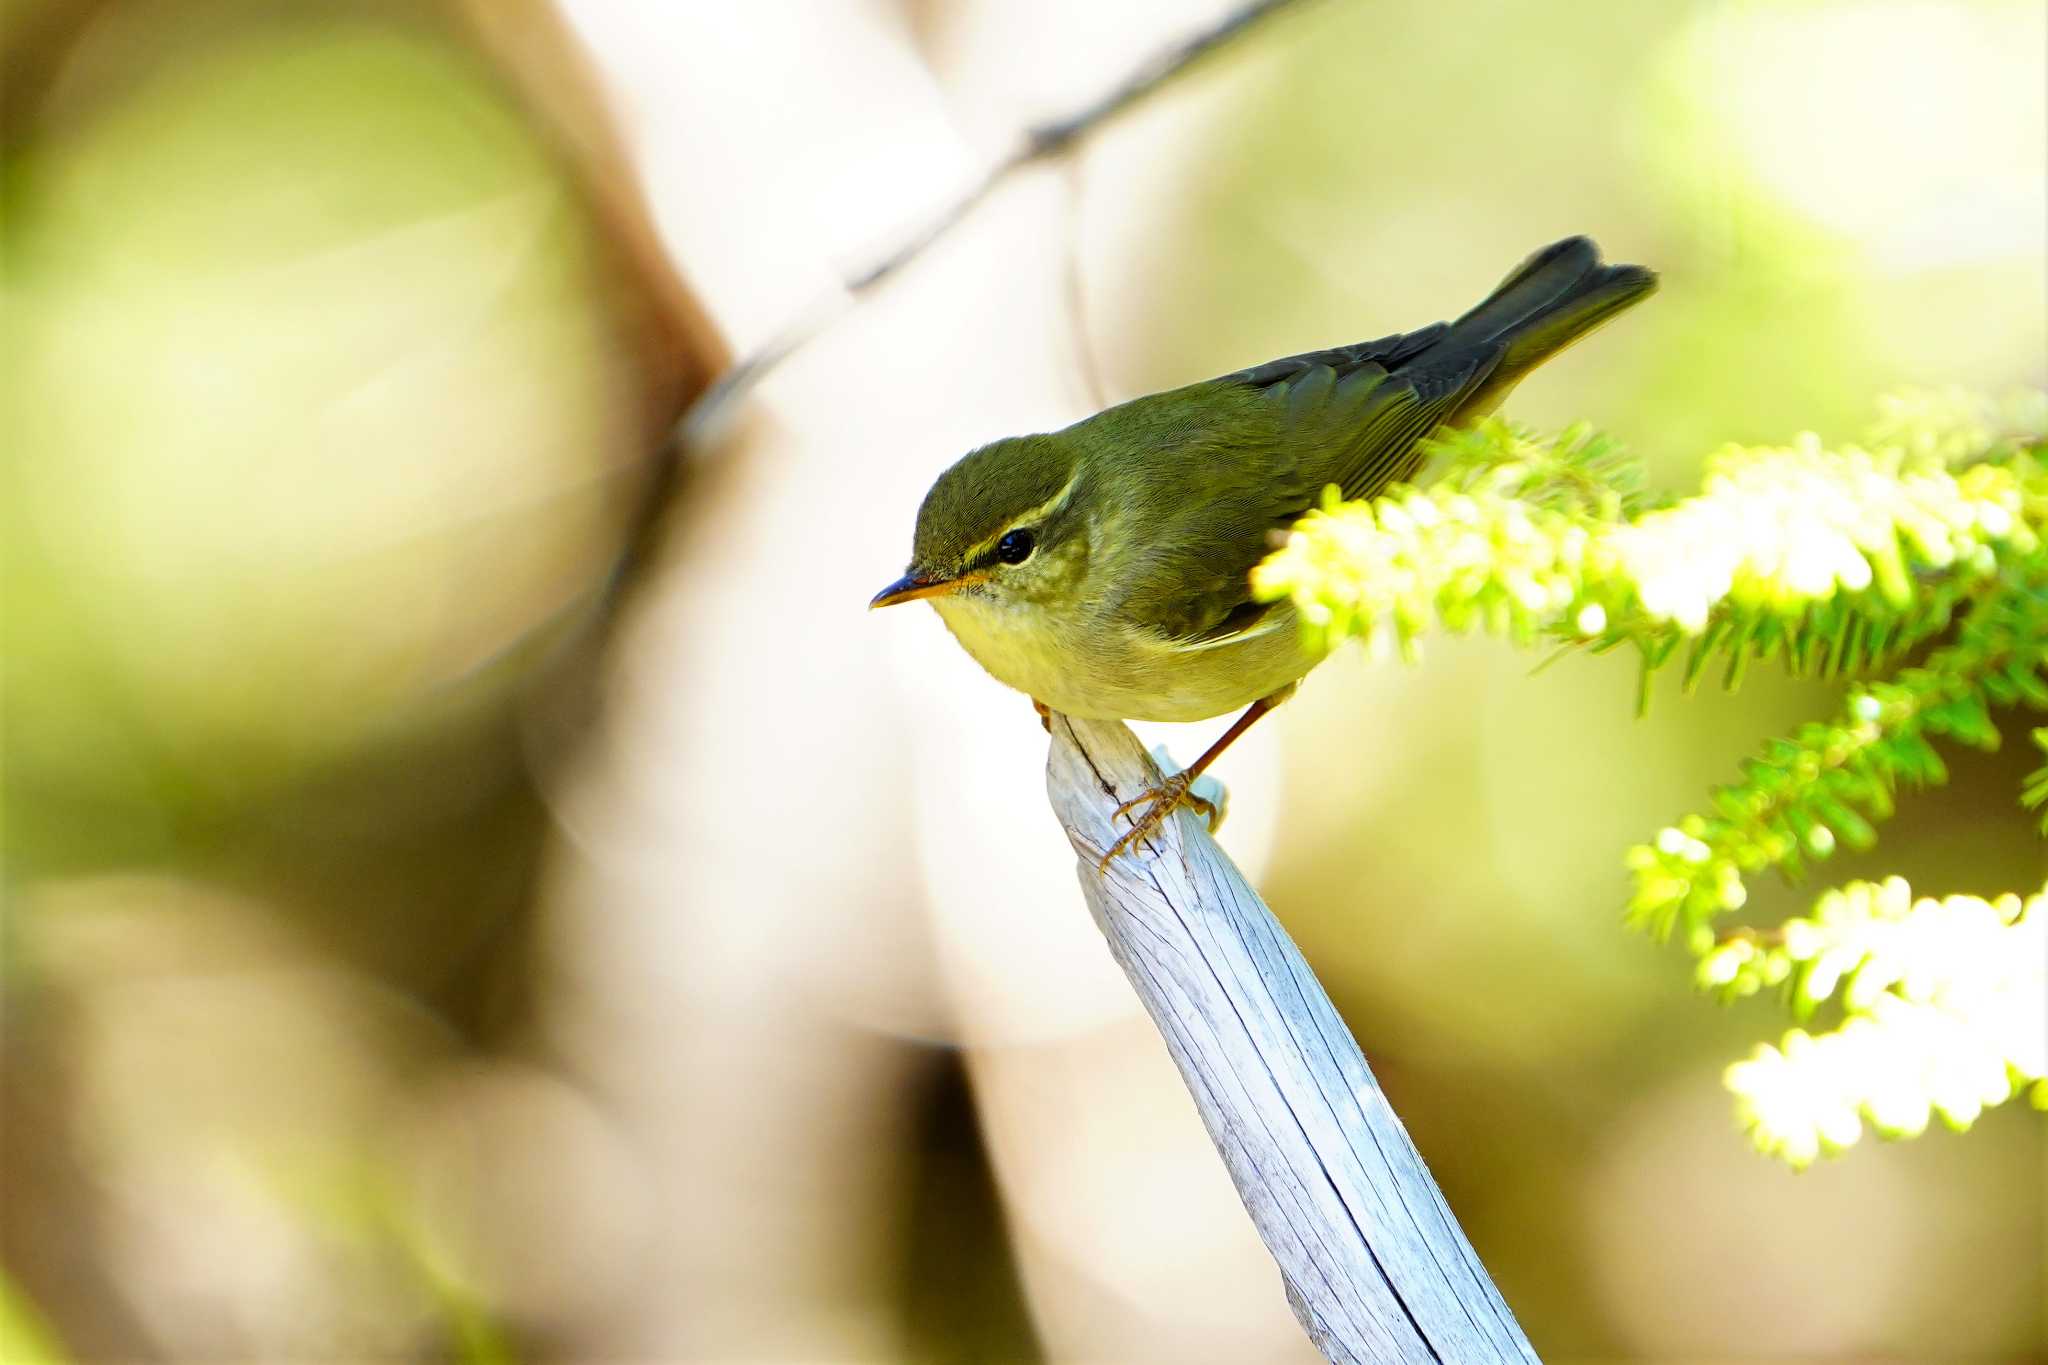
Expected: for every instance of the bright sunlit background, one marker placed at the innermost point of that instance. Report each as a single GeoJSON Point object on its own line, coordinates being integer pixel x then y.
{"type": "Point", "coordinates": [397, 965]}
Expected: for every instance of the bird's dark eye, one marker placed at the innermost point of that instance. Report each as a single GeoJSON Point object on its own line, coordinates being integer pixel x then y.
{"type": "Point", "coordinates": [1015, 547]}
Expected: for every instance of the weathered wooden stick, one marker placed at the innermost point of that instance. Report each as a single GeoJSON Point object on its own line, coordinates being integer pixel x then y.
{"type": "Point", "coordinates": [1375, 1265]}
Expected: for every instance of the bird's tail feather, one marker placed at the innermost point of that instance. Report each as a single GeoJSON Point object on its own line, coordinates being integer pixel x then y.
{"type": "Point", "coordinates": [1544, 305]}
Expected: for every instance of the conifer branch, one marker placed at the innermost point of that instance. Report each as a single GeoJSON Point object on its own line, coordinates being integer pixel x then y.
{"type": "Point", "coordinates": [1933, 531]}
{"type": "Point", "coordinates": [1831, 781]}
{"type": "Point", "coordinates": [1942, 1004]}
{"type": "Point", "coordinates": [1837, 560]}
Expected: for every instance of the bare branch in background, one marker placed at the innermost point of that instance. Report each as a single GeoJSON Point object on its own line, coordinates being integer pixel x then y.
{"type": "Point", "coordinates": [1075, 287]}
{"type": "Point", "coordinates": [1044, 141]}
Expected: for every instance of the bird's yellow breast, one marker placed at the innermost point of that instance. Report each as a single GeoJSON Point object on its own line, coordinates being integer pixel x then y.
{"type": "Point", "coordinates": [1107, 670]}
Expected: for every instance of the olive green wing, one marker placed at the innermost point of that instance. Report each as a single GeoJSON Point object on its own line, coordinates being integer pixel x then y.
{"type": "Point", "coordinates": [1266, 441]}
{"type": "Point", "coordinates": [1247, 455]}
{"type": "Point", "coordinates": [1356, 416]}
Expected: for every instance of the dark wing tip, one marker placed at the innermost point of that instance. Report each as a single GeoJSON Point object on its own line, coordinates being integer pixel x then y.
{"type": "Point", "coordinates": [1635, 279]}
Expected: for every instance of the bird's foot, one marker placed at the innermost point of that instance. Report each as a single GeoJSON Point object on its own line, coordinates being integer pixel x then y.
{"type": "Point", "coordinates": [1160, 802]}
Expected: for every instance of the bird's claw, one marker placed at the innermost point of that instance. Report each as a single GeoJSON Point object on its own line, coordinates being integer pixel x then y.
{"type": "Point", "coordinates": [1161, 801]}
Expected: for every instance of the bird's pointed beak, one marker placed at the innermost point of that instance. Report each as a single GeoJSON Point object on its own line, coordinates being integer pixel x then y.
{"type": "Point", "coordinates": [910, 587]}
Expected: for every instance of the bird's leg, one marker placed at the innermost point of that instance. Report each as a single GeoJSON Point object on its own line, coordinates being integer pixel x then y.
{"type": "Point", "coordinates": [1044, 714]}
{"type": "Point", "coordinates": [1176, 791]}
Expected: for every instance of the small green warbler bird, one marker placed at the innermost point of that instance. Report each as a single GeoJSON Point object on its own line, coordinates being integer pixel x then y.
{"type": "Point", "coordinates": [1105, 569]}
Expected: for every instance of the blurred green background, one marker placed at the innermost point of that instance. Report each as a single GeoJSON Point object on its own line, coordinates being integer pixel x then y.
{"type": "Point", "coordinates": [398, 966]}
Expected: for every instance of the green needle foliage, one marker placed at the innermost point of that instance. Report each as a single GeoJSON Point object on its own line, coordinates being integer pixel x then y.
{"type": "Point", "coordinates": [1942, 1013]}
{"type": "Point", "coordinates": [1930, 539]}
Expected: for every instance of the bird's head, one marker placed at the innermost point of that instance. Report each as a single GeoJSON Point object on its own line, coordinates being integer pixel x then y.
{"type": "Point", "coordinates": [1003, 523]}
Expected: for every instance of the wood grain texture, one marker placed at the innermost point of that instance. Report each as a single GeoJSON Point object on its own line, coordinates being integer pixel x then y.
{"type": "Point", "coordinates": [1374, 1264]}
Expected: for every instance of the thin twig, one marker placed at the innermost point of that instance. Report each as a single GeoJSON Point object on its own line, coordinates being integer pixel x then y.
{"type": "Point", "coordinates": [1076, 289]}
{"type": "Point", "coordinates": [1048, 139]}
